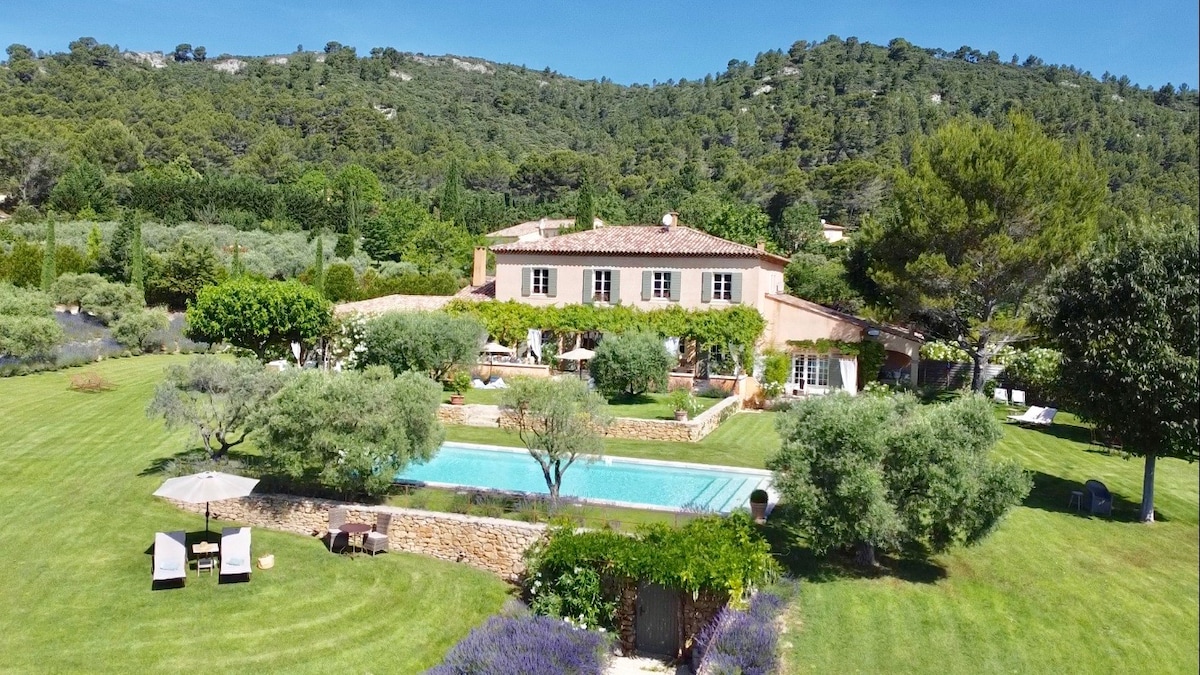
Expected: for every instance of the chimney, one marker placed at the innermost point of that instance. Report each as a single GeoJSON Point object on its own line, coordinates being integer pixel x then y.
{"type": "Point", "coordinates": [670, 221]}
{"type": "Point", "coordinates": [762, 245]}
{"type": "Point", "coordinates": [479, 266]}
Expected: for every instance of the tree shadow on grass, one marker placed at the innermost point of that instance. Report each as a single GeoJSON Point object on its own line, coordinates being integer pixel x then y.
{"type": "Point", "coordinates": [1052, 493]}
{"type": "Point", "coordinates": [801, 562]}
{"type": "Point", "coordinates": [195, 460]}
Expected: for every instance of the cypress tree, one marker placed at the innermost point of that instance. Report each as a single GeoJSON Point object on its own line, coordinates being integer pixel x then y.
{"type": "Point", "coordinates": [235, 265]}
{"type": "Point", "coordinates": [48, 262]}
{"type": "Point", "coordinates": [136, 252]}
{"type": "Point", "coordinates": [452, 198]}
{"type": "Point", "coordinates": [319, 266]}
{"type": "Point", "coordinates": [585, 205]}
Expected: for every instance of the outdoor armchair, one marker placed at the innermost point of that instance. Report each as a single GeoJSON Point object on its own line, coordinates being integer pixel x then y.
{"type": "Point", "coordinates": [337, 518]}
{"type": "Point", "coordinates": [1099, 499]}
{"type": "Point", "coordinates": [1000, 395]}
{"type": "Point", "coordinates": [170, 556]}
{"type": "Point", "coordinates": [235, 551]}
{"type": "Point", "coordinates": [377, 540]}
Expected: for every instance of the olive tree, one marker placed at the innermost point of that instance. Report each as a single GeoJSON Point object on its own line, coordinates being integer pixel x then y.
{"type": "Point", "coordinates": [215, 397]}
{"type": "Point", "coordinates": [137, 329]}
{"type": "Point", "coordinates": [350, 433]}
{"type": "Point", "coordinates": [558, 421]}
{"type": "Point", "coordinates": [27, 325]}
{"type": "Point", "coordinates": [882, 472]}
{"type": "Point", "coordinates": [432, 343]}
{"type": "Point", "coordinates": [1126, 319]}
{"type": "Point", "coordinates": [630, 364]}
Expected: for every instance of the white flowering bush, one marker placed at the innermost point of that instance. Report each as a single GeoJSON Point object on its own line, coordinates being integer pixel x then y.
{"type": "Point", "coordinates": [348, 343]}
{"type": "Point", "coordinates": [575, 596]}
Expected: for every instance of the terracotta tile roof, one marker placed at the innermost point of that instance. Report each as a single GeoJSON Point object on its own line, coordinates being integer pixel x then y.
{"type": "Point", "coordinates": [485, 291]}
{"type": "Point", "coordinates": [532, 226]}
{"type": "Point", "coordinates": [651, 240]}
{"type": "Point", "coordinates": [842, 316]}
{"type": "Point", "coordinates": [393, 303]}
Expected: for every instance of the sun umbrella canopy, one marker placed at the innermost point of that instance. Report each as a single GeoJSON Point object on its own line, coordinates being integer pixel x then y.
{"type": "Point", "coordinates": [577, 354]}
{"type": "Point", "coordinates": [496, 348]}
{"type": "Point", "coordinates": [208, 486]}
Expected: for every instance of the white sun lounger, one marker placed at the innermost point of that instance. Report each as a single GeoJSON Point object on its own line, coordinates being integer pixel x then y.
{"type": "Point", "coordinates": [1046, 417]}
{"type": "Point", "coordinates": [1018, 397]}
{"type": "Point", "coordinates": [1000, 395]}
{"type": "Point", "coordinates": [1030, 415]}
{"type": "Point", "coordinates": [235, 551]}
{"type": "Point", "coordinates": [170, 556]}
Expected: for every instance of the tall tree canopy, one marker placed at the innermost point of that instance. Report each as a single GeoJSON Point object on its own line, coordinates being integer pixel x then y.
{"type": "Point", "coordinates": [1127, 319]}
{"type": "Point", "coordinates": [982, 216]}
{"type": "Point", "coordinates": [264, 317]}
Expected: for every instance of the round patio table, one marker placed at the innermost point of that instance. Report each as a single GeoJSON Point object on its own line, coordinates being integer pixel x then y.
{"type": "Point", "coordinates": [352, 529]}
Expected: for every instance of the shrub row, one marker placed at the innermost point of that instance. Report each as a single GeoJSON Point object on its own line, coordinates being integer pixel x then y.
{"type": "Point", "coordinates": [530, 645]}
{"type": "Point", "coordinates": [741, 641]}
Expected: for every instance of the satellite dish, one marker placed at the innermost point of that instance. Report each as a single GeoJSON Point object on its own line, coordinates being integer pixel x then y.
{"type": "Point", "coordinates": [666, 220]}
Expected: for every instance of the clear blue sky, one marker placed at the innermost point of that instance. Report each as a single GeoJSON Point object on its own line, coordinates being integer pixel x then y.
{"type": "Point", "coordinates": [1151, 41]}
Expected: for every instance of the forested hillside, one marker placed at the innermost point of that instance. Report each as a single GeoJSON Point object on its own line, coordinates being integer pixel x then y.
{"type": "Point", "coordinates": [822, 126]}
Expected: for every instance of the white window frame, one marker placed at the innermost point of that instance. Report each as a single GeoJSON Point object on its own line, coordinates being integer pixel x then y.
{"type": "Point", "coordinates": [724, 281]}
{"type": "Point", "coordinates": [539, 281]}
{"type": "Point", "coordinates": [660, 285]}
{"type": "Point", "coordinates": [810, 370]}
{"type": "Point", "coordinates": [602, 285]}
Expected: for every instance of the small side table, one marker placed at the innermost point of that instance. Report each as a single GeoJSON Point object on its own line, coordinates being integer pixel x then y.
{"type": "Point", "coordinates": [1076, 500]}
{"type": "Point", "coordinates": [206, 553]}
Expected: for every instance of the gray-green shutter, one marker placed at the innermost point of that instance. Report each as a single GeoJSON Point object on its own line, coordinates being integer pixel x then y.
{"type": "Point", "coordinates": [735, 287]}
{"type": "Point", "coordinates": [552, 283]}
{"type": "Point", "coordinates": [647, 285]}
{"type": "Point", "coordinates": [614, 295]}
{"type": "Point", "coordinates": [706, 279]}
{"type": "Point", "coordinates": [589, 286]}
{"type": "Point", "coordinates": [526, 281]}
{"type": "Point", "coordinates": [675, 276]}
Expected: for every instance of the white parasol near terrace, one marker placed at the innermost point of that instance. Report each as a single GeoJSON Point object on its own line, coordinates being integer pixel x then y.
{"type": "Point", "coordinates": [207, 486]}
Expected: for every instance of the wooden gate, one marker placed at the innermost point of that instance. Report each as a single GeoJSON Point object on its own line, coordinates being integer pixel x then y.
{"type": "Point", "coordinates": [657, 623]}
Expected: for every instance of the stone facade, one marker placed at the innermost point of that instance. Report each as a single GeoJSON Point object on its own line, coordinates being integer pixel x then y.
{"type": "Point", "coordinates": [492, 544]}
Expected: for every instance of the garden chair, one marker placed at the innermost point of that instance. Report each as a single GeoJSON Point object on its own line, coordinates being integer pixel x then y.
{"type": "Point", "coordinates": [377, 539]}
{"type": "Point", "coordinates": [337, 518]}
{"type": "Point", "coordinates": [1028, 416]}
{"type": "Point", "coordinates": [1018, 397]}
{"type": "Point", "coordinates": [1000, 395]}
{"type": "Point", "coordinates": [170, 556]}
{"type": "Point", "coordinates": [1098, 499]}
{"type": "Point", "coordinates": [235, 552]}
{"type": "Point", "coordinates": [1045, 418]}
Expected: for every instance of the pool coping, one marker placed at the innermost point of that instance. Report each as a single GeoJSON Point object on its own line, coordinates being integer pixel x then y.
{"type": "Point", "coordinates": [764, 474]}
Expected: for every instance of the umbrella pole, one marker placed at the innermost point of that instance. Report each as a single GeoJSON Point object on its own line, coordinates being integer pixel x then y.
{"type": "Point", "coordinates": [206, 520]}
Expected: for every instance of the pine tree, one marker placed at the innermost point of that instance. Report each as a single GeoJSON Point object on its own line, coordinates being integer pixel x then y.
{"type": "Point", "coordinates": [318, 279]}
{"type": "Point", "coordinates": [48, 262]}
{"type": "Point", "coordinates": [137, 275]}
{"type": "Point", "coordinates": [585, 208]}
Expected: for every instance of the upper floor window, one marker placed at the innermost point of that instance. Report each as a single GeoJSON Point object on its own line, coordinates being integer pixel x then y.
{"type": "Point", "coordinates": [662, 286]}
{"type": "Point", "coordinates": [540, 281]}
{"type": "Point", "coordinates": [722, 286]}
{"type": "Point", "coordinates": [602, 286]}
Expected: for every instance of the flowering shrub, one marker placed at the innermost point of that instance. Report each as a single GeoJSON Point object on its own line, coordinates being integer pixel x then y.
{"type": "Point", "coordinates": [740, 642]}
{"type": "Point", "coordinates": [575, 596]}
{"type": "Point", "coordinates": [530, 645]}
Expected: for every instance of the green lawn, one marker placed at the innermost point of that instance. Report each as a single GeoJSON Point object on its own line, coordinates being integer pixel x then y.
{"type": "Point", "coordinates": [78, 521]}
{"type": "Point", "coordinates": [646, 406]}
{"type": "Point", "coordinates": [1049, 591]}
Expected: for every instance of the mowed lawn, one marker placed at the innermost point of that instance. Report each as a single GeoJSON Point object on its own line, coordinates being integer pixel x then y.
{"type": "Point", "coordinates": [77, 521]}
{"type": "Point", "coordinates": [1050, 591]}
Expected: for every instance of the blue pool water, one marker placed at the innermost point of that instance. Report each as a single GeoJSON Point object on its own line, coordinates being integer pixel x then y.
{"type": "Point", "coordinates": [609, 479]}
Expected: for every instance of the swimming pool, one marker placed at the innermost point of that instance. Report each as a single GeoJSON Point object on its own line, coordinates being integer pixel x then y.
{"type": "Point", "coordinates": [670, 486]}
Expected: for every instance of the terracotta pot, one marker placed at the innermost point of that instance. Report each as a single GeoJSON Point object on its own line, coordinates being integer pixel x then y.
{"type": "Point", "coordinates": [759, 511]}
{"type": "Point", "coordinates": [456, 399]}
{"type": "Point", "coordinates": [681, 415]}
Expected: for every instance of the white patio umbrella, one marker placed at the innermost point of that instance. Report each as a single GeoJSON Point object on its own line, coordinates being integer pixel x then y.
{"type": "Point", "coordinates": [207, 486]}
{"type": "Point", "coordinates": [496, 348]}
{"type": "Point", "coordinates": [578, 354]}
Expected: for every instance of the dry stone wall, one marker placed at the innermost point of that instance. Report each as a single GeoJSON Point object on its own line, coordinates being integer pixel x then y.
{"type": "Point", "coordinates": [492, 544]}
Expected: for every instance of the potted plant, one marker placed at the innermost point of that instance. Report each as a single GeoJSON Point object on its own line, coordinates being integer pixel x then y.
{"type": "Point", "coordinates": [758, 505]}
{"type": "Point", "coordinates": [459, 383]}
{"type": "Point", "coordinates": [684, 404]}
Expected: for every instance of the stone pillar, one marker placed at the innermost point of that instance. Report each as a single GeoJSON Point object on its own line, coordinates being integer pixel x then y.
{"type": "Point", "coordinates": [626, 616]}
{"type": "Point", "coordinates": [914, 366]}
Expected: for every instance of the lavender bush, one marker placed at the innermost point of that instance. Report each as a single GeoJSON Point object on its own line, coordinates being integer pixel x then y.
{"type": "Point", "coordinates": [740, 642]}
{"type": "Point", "coordinates": [531, 645]}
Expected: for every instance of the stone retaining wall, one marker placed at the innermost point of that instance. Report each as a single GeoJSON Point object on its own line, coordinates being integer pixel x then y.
{"type": "Point", "coordinates": [490, 544]}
